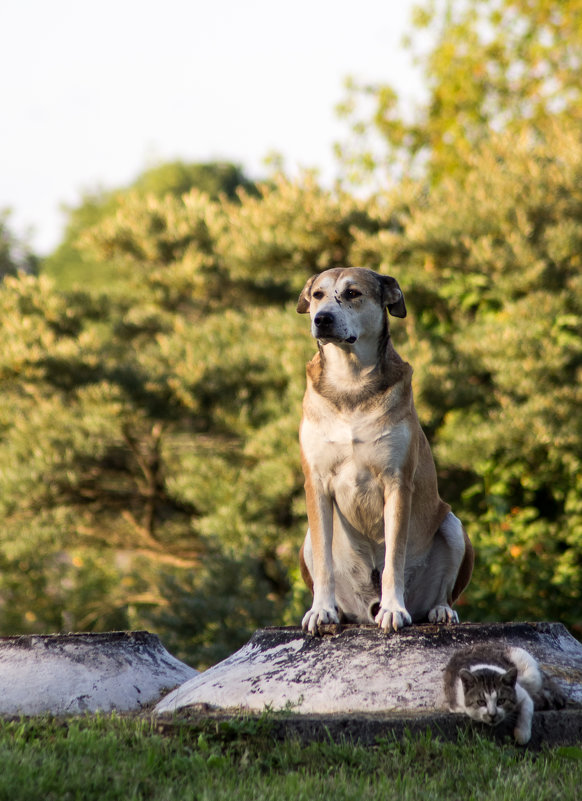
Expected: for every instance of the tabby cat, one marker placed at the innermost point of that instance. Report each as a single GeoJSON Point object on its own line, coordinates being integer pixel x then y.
{"type": "Point", "coordinates": [491, 683]}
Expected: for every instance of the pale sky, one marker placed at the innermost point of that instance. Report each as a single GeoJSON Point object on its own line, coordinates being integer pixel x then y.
{"type": "Point", "coordinates": [95, 92]}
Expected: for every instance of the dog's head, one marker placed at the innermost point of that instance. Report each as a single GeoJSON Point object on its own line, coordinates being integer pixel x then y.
{"type": "Point", "coordinates": [347, 304]}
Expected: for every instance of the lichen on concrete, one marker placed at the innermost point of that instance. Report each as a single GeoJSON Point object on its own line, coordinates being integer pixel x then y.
{"type": "Point", "coordinates": [359, 669]}
{"type": "Point", "coordinates": [75, 673]}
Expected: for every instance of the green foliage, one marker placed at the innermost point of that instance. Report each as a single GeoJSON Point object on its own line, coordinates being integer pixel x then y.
{"type": "Point", "coordinates": [72, 266]}
{"type": "Point", "coordinates": [260, 248]}
{"type": "Point", "coordinates": [176, 178]}
{"type": "Point", "coordinates": [208, 614]}
{"type": "Point", "coordinates": [493, 275]}
{"type": "Point", "coordinates": [496, 65]}
{"type": "Point", "coordinates": [150, 468]}
{"type": "Point", "coordinates": [155, 425]}
{"type": "Point", "coordinates": [15, 254]}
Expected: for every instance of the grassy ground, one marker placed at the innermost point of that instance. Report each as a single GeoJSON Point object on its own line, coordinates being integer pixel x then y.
{"type": "Point", "coordinates": [111, 757]}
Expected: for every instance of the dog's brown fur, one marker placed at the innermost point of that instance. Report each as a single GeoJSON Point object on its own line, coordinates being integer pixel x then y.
{"type": "Point", "coordinates": [381, 543]}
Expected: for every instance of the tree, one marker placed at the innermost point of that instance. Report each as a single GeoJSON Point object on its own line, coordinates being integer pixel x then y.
{"type": "Point", "coordinates": [148, 424]}
{"type": "Point", "coordinates": [497, 65]}
{"type": "Point", "coordinates": [488, 243]}
{"type": "Point", "coordinates": [15, 254]}
{"type": "Point", "coordinates": [493, 274]}
{"type": "Point", "coordinates": [151, 434]}
{"type": "Point", "coordinates": [177, 178]}
{"type": "Point", "coordinates": [149, 437]}
{"type": "Point", "coordinates": [70, 266]}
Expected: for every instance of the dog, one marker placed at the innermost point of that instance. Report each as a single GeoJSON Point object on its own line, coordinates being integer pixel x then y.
{"type": "Point", "coordinates": [381, 544]}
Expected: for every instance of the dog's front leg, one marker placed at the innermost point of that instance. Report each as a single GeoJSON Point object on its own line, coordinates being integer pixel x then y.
{"type": "Point", "coordinates": [320, 516]}
{"type": "Point", "coordinates": [393, 614]}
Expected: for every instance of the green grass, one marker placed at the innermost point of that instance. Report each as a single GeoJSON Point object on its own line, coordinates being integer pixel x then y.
{"type": "Point", "coordinates": [131, 758]}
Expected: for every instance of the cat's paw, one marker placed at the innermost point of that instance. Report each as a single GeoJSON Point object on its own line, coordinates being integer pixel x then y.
{"type": "Point", "coordinates": [522, 734]}
{"type": "Point", "coordinates": [443, 614]}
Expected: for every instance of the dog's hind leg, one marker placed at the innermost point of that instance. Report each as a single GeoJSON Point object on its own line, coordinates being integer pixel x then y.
{"type": "Point", "coordinates": [451, 532]}
{"type": "Point", "coordinates": [305, 554]}
{"type": "Point", "coordinates": [431, 592]}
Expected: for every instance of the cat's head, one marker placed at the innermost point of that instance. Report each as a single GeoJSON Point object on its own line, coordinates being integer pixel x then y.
{"type": "Point", "coordinates": [489, 696]}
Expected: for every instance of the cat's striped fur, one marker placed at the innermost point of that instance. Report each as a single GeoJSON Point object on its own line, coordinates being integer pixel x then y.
{"type": "Point", "coordinates": [491, 684]}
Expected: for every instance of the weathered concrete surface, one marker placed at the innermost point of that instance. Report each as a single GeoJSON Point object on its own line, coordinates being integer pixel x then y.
{"type": "Point", "coordinates": [362, 670]}
{"type": "Point", "coordinates": [73, 673]}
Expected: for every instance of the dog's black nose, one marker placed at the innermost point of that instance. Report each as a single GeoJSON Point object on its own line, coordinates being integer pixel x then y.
{"type": "Point", "coordinates": [323, 319]}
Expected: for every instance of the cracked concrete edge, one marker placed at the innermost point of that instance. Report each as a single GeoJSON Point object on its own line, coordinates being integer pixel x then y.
{"type": "Point", "coordinates": [550, 728]}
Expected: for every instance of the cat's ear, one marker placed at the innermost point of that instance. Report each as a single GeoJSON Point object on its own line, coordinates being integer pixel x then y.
{"type": "Point", "coordinates": [467, 678]}
{"type": "Point", "coordinates": [510, 677]}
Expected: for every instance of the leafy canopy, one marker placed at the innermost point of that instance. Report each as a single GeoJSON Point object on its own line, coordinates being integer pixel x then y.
{"type": "Point", "coordinates": [152, 382]}
{"type": "Point", "coordinates": [492, 66]}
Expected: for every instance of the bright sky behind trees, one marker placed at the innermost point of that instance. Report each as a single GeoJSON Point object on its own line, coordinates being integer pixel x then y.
{"type": "Point", "coordinates": [95, 92]}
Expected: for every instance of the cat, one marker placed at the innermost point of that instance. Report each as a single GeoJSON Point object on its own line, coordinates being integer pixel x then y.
{"type": "Point", "coordinates": [491, 683]}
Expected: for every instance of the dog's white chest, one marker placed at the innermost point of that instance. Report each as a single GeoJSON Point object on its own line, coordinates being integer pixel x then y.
{"type": "Point", "coordinates": [355, 459]}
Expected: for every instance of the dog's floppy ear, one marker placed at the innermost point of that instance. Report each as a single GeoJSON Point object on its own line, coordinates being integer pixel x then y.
{"type": "Point", "coordinates": [392, 296]}
{"type": "Point", "coordinates": [305, 296]}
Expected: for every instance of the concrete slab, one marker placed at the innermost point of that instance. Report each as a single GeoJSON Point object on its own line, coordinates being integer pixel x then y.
{"type": "Point", "coordinates": [74, 673]}
{"type": "Point", "coordinates": [359, 669]}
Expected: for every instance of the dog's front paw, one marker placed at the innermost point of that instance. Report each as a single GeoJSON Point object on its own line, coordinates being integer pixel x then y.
{"type": "Point", "coordinates": [443, 614]}
{"type": "Point", "coordinates": [392, 619]}
{"type": "Point", "coordinates": [319, 616]}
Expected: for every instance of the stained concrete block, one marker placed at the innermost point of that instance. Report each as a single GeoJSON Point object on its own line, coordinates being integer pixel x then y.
{"type": "Point", "coordinates": [359, 669]}
{"type": "Point", "coordinates": [74, 673]}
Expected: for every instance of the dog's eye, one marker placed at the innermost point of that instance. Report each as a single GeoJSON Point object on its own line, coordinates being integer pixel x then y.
{"type": "Point", "coordinates": [318, 294]}
{"type": "Point", "coordinates": [352, 293]}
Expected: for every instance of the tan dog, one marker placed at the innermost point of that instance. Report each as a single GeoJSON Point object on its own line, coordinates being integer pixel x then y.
{"type": "Point", "coordinates": [381, 545]}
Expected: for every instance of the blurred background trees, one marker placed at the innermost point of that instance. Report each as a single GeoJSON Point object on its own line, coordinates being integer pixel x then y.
{"type": "Point", "coordinates": [15, 253]}
{"type": "Point", "coordinates": [490, 66]}
{"type": "Point", "coordinates": [152, 374]}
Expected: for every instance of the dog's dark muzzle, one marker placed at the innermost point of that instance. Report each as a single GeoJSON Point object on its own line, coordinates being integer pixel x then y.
{"type": "Point", "coordinates": [324, 327]}
{"type": "Point", "coordinates": [324, 322]}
